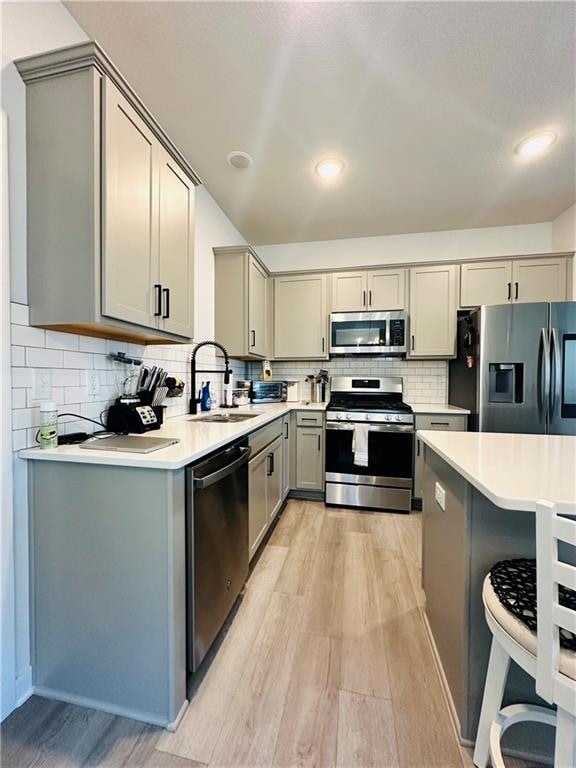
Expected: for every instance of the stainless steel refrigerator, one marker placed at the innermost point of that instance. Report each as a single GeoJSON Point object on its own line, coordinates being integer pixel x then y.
{"type": "Point", "coordinates": [515, 368]}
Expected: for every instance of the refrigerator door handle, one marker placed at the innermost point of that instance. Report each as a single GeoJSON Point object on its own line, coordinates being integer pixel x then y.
{"type": "Point", "coordinates": [544, 377]}
{"type": "Point", "coordinates": [556, 373]}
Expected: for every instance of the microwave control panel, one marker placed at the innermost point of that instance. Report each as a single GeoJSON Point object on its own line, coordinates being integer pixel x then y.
{"type": "Point", "coordinates": [397, 335]}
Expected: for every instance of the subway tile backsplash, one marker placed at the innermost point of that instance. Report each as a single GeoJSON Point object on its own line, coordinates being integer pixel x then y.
{"type": "Point", "coordinates": [68, 357]}
{"type": "Point", "coordinates": [425, 381]}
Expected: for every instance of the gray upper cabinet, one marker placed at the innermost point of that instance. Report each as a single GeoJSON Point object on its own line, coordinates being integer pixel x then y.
{"type": "Point", "coordinates": [368, 290]}
{"type": "Point", "coordinates": [300, 317]}
{"type": "Point", "coordinates": [110, 205]}
{"type": "Point", "coordinates": [433, 305]}
{"type": "Point", "coordinates": [513, 281]}
{"type": "Point", "coordinates": [241, 302]}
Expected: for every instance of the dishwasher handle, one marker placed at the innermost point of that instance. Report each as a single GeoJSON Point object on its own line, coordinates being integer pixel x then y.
{"type": "Point", "coordinates": [205, 482]}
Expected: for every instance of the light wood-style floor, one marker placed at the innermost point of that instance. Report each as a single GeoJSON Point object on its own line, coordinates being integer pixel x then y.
{"type": "Point", "coordinates": [326, 663]}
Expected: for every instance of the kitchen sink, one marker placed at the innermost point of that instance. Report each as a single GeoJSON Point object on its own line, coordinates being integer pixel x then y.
{"type": "Point", "coordinates": [226, 418]}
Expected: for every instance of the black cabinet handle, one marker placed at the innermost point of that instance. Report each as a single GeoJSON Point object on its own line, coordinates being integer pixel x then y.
{"type": "Point", "coordinates": [166, 295]}
{"type": "Point", "coordinates": [253, 334]}
{"type": "Point", "coordinates": [157, 299]}
{"type": "Point", "coordinates": [319, 442]}
{"type": "Point", "coordinates": [286, 431]}
{"type": "Point", "coordinates": [363, 298]}
{"type": "Point", "coordinates": [509, 291]}
{"type": "Point", "coordinates": [270, 464]}
{"type": "Point", "coordinates": [369, 298]}
{"type": "Point", "coordinates": [515, 291]}
{"type": "Point", "coordinates": [323, 342]}
{"type": "Point", "coordinates": [439, 424]}
{"type": "Point", "coordinates": [417, 447]}
{"type": "Point", "coordinates": [412, 347]}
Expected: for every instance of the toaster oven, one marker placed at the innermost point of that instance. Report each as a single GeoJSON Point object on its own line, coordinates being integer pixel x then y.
{"type": "Point", "coordinates": [268, 392]}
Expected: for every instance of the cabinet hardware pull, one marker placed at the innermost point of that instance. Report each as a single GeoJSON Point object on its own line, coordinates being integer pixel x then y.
{"type": "Point", "coordinates": [166, 295]}
{"type": "Point", "coordinates": [412, 343]}
{"type": "Point", "coordinates": [515, 291]}
{"type": "Point", "coordinates": [307, 418]}
{"type": "Point", "coordinates": [319, 442]}
{"type": "Point", "coordinates": [253, 334]}
{"type": "Point", "coordinates": [417, 447]}
{"type": "Point", "coordinates": [363, 298]}
{"type": "Point", "coordinates": [369, 298]}
{"type": "Point", "coordinates": [322, 343]}
{"type": "Point", "coordinates": [286, 431]}
{"type": "Point", "coordinates": [270, 464]}
{"type": "Point", "coordinates": [509, 291]}
{"type": "Point", "coordinates": [157, 299]}
{"type": "Point", "coordinates": [439, 424]}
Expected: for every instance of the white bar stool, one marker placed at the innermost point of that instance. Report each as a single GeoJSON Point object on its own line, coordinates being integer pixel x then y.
{"type": "Point", "coordinates": [539, 653]}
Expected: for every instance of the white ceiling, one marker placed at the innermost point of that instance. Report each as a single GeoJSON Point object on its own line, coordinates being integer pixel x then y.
{"type": "Point", "coordinates": [424, 101]}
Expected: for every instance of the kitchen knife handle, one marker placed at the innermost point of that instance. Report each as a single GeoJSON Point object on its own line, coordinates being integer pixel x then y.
{"type": "Point", "coordinates": [166, 295]}
{"type": "Point", "coordinates": [157, 299]}
{"type": "Point", "coordinates": [515, 291]}
{"type": "Point", "coordinates": [509, 291]}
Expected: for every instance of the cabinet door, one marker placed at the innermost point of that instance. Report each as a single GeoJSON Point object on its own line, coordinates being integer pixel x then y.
{"type": "Point", "coordinates": [539, 280]}
{"type": "Point", "coordinates": [176, 248]}
{"type": "Point", "coordinates": [130, 213]}
{"type": "Point", "coordinates": [257, 500]}
{"type": "Point", "coordinates": [257, 284]}
{"type": "Point", "coordinates": [300, 319]}
{"type": "Point", "coordinates": [433, 311]}
{"type": "Point", "coordinates": [349, 292]}
{"type": "Point", "coordinates": [275, 477]}
{"type": "Point", "coordinates": [286, 456]}
{"type": "Point", "coordinates": [386, 289]}
{"type": "Point", "coordinates": [418, 467]}
{"type": "Point", "coordinates": [485, 283]}
{"type": "Point", "coordinates": [309, 464]}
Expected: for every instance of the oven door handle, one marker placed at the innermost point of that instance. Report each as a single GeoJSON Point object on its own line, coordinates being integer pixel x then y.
{"type": "Point", "coordinates": [371, 427]}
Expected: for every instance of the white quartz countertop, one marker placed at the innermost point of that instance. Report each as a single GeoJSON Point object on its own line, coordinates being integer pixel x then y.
{"type": "Point", "coordinates": [197, 439]}
{"type": "Point", "coordinates": [434, 408]}
{"type": "Point", "coordinates": [513, 471]}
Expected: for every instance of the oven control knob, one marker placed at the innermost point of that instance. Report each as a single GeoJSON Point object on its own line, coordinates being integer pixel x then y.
{"type": "Point", "coordinates": [348, 416]}
{"type": "Point", "coordinates": [368, 417]}
{"type": "Point", "coordinates": [397, 417]}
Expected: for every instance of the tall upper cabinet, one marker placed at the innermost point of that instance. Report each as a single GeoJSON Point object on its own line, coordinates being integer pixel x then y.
{"type": "Point", "coordinates": [241, 302]}
{"type": "Point", "coordinates": [110, 205]}
{"type": "Point", "coordinates": [301, 317]}
{"type": "Point", "coordinates": [433, 305]}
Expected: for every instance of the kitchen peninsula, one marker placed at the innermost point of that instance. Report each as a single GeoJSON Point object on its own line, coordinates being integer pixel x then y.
{"type": "Point", "coordinates": [479, 504]}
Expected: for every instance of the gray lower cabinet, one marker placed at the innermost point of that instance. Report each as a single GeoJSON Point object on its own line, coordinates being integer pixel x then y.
{"type": "Point", "coordinates": [108, 605]}
{"type": "Point", "coordinates": [286, 453]}
{"type": "Point", "coordinates": [110, 205]}
{"type": "Point", "coordinates": [309, 458]}
{"type": "Point", "coordinates": [265, 480]}
{"type": "Point", "coordinates": [453, 423]}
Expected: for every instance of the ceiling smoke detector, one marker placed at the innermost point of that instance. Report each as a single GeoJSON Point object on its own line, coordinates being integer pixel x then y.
{"type": "Point", "coordinates": [239, 160]}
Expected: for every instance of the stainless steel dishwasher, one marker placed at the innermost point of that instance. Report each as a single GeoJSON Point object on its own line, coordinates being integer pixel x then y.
{"type": "Point", "coordinates": [216, 543]}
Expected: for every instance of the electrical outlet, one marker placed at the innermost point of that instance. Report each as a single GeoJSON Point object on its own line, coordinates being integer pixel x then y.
{"type": "Point", "coordinates": [42, 385]}
{"type": "Point", "coordinates": [92, 382]}
{"type": "Point", "coordinates": [440, 495]}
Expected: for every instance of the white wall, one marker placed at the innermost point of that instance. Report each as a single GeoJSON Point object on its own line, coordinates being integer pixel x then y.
{"type": "Point", "coordinates": [29, 28]}
{"type": "Point", "coordinates": [564, 237]}
{"type": "Point", "coordinates": [463, 244]}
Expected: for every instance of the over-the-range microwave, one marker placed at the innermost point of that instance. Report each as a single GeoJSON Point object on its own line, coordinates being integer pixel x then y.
{"type": "Point", "coordinates": [368, 333]}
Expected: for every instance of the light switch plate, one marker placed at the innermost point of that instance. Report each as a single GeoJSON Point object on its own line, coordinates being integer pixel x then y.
{"type": "Point", "coordinates": [440, 495]}
{"type": "Point", "coordinates": [42, 385]}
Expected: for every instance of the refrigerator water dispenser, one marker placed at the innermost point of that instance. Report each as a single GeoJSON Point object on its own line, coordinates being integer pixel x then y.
{"type": "Point", "coordinates": [506, 382]}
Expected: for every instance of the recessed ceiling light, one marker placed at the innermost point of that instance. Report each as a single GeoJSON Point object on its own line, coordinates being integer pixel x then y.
{"type": "Point", "coordinates": [533, 145]}
{"type": "Point", "coordinates": [330, 168]}
{"type": "Point", "coordinates": [239, 160]}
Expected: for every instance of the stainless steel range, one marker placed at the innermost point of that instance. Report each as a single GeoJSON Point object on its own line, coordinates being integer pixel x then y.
{"type": "Point", "coordinates": [369, 444]}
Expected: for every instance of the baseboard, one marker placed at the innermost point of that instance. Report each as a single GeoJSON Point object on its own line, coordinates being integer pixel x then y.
{"type": "Point", "coordinates": [24, 686]}
{"type": "Point", "coordinates": [307, 495]}
{"type": "Point", "coordinates": [112, 709]}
